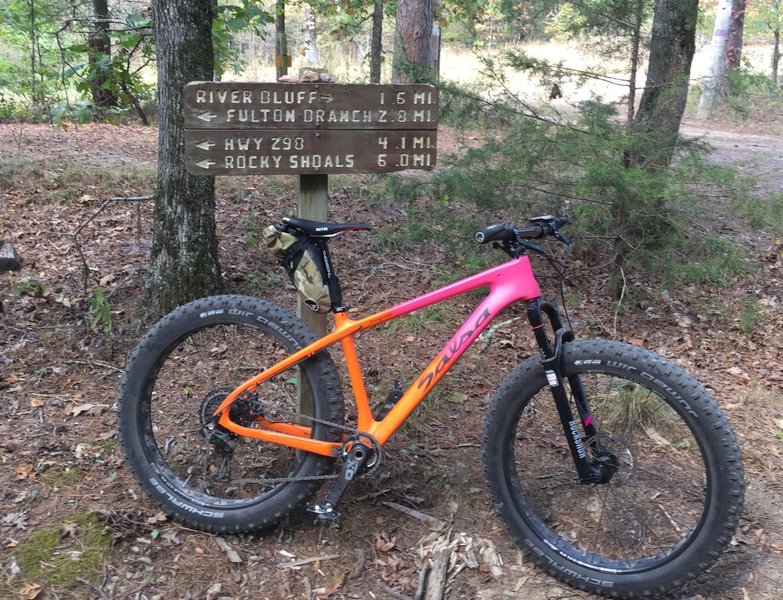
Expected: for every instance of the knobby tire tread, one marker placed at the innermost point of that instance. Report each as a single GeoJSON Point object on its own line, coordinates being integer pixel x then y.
{"type": "Point", "coordinates": [710, 425]}
{"type": "Point", "coordinates": [149, 355]}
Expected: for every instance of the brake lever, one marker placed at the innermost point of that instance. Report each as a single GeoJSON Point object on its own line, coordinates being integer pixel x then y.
{"type": "Point", "coordinates": [561, 238]}
{"type": "Point", "coordinates": [532, 247]}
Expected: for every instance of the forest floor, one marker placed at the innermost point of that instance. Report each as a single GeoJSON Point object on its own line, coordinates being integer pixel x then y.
{"type": "Point", "coordinates": [74, 523]}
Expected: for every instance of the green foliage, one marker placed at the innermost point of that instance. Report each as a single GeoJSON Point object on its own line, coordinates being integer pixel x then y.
{"type": "Point", "coordinates": [28, 287]}
{"type": "Point", "coordinates": [230, 19]}
{"type": "Point", "coordinates": [750, 93]}
{"type": "Point", "coordinates": [48, 70]}
{"type": "Point", "coordinates": [600, 19]}
{"type": "Point", "coordinates": [62, 555]}
{"type": "Point", "coordinates": [751, 315]}
{"type": "Point", "coordinates": [579, 166]}
{"type": "Point", "coordinates": [30, 62]}
{"type": "Point", "coordinates": [101, 319]}
{"type": "Point", "coordinates": [697, 259]}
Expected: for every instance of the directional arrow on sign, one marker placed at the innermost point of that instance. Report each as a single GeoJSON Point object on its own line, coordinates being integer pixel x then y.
{"type": "Point", "coordinates": [204, 144]}
{"type": "Point", "coordinates": [205, 164]}
{"type": "Point", "coordinates": [327, 97]}
{"type": "Point", "coordinates": [207, 116]}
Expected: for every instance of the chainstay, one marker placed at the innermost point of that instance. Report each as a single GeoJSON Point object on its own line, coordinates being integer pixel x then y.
{"type": "Point", "coordinates": [259, 407]}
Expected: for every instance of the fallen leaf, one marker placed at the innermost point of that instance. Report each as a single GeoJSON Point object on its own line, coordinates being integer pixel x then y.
{"type": "Point", "coordinates": [24, 472]}
{"type": "Point", "coordinates": [333, 583]}
{"type": "Point", "coordinates": [16, 519]}
{"type": "Point", "coordinates": [92, 410]}
{"type": "Point", "coordinates": [383, 542]}
{"type": "Point", "coordinates": [36, 402]}
{"type": "Point", "coordinates": [29, 591]}
{"type": "Point", "coordinates": [170, 535]}
{"type": "Point", "coordinates": [158, 517]}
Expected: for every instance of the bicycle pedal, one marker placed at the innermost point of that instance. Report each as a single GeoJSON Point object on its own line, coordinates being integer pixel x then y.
{"type": "Point", "coordinates": [325, 514]}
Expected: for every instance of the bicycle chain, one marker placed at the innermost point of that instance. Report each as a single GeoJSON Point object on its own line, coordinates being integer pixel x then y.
{"type": "Point", "coordinates": [258, 407]}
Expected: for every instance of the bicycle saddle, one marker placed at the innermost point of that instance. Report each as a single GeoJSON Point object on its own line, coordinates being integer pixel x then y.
{"type": "Point", "coordinates": [322, 228]}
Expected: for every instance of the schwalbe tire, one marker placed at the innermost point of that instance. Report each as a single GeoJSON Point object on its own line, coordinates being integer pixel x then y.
{"type": "Point", "coordinates": [137, 440]}
{"type": "Point", "coordinates": [692, 403]}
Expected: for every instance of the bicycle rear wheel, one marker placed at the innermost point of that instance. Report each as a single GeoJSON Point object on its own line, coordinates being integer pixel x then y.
{"type": "Point", "coordinates": [670, 508]}
{"type": "Point", "coordinates": [180, 373]}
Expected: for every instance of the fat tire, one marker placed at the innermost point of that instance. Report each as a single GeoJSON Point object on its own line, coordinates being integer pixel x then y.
{"type": "Point", "coordinates": [554, 544]}
{"type": "Point", "coordinates": [166, 484]}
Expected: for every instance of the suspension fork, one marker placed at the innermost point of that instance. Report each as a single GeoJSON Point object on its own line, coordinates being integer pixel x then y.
{"type": "Point", "coordinates": [589, 471]}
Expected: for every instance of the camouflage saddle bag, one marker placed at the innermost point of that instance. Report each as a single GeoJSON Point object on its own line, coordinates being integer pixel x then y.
{"type": "Point", "coordinates": [304, 262]}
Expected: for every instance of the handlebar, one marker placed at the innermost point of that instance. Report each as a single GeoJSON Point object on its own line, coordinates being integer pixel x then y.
{"type": "Point", "coordinates": [512, 239]}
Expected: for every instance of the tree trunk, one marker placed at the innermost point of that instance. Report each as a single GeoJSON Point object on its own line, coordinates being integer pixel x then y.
{"type": "Point", "coordinates": [99, 43]}
{"type": "Point", "coordinates": [34, 94]}
{"type": "Point", "coordinates": [636, 35]}
{"type": "Point", "coordinates": [376, 46]}
{"type": "Point", "coordinates": [281, 42]}
{"type": "Point", "coordinates": [775, 41]}
{"type": "Point", "coordinates": [734, 49]}
{"type": "Point", "coordinates": [662, 104]}
{"type": "Point", "coordinates": [715, 81]}
{"type": "Point", "coordinates": [657, 122]}
{"type": "Point", "coordinates": [310, 38]}
{"type": "Point", "coordinates": [184, 260]}
{"type": "Point", "coordinates": [412, 41]}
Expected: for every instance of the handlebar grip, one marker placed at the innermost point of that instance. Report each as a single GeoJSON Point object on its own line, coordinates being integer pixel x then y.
{"type": "Point", "coordinates": [493, 233]}
{"type": "Point", "coordinates": [533, 232]}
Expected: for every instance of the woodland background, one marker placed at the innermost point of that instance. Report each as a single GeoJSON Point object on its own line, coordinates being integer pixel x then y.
{"type": "Point", "coordinates": [539, 102]}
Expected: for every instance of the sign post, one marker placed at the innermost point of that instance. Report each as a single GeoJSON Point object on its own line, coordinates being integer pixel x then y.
{"type": "Point", "coordinates": [310, 130]}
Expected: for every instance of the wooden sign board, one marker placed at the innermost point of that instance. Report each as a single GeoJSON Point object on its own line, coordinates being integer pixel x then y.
{"type": "Point", "coordinates": [239, 128]}
{"type": "Point", "coordinates": [248, 152]}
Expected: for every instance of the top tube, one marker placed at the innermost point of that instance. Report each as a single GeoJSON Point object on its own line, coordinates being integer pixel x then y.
{"type": "Point", "coordinates": [508, 283]}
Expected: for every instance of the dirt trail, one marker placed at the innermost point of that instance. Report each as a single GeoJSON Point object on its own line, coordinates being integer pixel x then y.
{"type": "Point", "coordinates": [62, 474]}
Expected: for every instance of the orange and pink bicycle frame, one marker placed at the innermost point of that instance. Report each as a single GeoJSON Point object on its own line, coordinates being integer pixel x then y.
{"type": "Point", "coordinates": [508, 283]}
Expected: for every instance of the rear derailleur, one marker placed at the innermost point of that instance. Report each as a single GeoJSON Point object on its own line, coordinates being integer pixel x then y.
{"type": "Point", "coordinates": [241, 412]}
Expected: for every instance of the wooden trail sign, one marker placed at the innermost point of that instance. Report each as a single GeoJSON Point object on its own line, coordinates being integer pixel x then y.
{"type": "Point", "coordinates": [239, 128]}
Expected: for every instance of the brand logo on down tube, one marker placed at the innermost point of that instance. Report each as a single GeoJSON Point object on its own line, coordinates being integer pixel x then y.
{"type": "Point", "coordinates": [452, 348]}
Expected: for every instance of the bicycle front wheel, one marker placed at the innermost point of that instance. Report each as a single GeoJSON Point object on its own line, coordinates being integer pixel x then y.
{"type": "Point", "coordinates": [670, 508]}
{"type": "Point", "coordinates": [177, 377]}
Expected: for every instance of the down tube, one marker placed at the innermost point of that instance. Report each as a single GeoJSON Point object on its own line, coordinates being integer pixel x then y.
{"type": "Point", "coordinates": [447, 357]}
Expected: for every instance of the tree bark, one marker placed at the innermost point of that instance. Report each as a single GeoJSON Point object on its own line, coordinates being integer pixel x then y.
{"type": "Point", "coordinates": [775, 41]}
{"type": "Point", "coordinates": [657, 122]}
{"type": "Point", "coordinates": [376, 45]}
{"type": "Point", "coordinates": [715, 81]}
{"type": "Point", "coordinates": [281, 41]}
{"type": "Point", "coordinates": [734, 49]}
{"type": "Point", "coordinates": [636, 42]}
{"type": "Point", "coordinates": [412, 41]}
{"type": "Point", "coordinates": [310, 37]}
{"type": "Point", "coordinates": [99, 43]}
{"type": "Point", "coordinates": [184, 260]}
